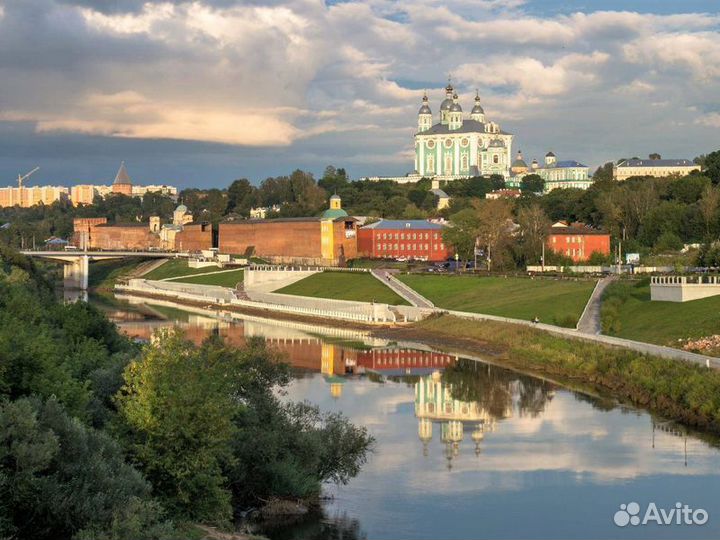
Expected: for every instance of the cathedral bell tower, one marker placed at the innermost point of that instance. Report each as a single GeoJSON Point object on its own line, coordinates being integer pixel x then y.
{"type": "Point", "coordinates": [424, 115]}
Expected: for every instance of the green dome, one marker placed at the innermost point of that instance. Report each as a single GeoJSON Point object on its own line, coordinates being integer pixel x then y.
{"type": "Point", "coordinates": [332, 213]}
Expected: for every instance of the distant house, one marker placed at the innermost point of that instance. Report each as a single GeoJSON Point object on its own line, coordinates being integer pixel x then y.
{"type": "Point", "coordinates": [653, 167]}
{"type": "Point", "coordinates": [577, 241]}
{"type": "Point", "coordinates": [504, 194]}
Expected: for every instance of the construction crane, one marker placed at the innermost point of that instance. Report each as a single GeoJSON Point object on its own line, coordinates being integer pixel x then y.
{"type": "Point", "coordinates": [21, 178]}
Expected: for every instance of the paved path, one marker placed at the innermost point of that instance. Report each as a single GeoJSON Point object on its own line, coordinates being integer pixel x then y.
{"type": "Point", "coordinates": [589, 322]}
{"type": "Point", "coordinates": [412, 296]}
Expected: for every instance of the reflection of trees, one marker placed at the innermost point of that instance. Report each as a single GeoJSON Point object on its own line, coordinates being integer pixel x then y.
{"type": "Point", "coordinates": [317, 526]}
{"type": "Point", "coordinates": [493, 388]}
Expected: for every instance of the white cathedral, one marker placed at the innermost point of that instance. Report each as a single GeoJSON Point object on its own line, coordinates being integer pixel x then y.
{"type": "Point", "coordinates": [458, 147]}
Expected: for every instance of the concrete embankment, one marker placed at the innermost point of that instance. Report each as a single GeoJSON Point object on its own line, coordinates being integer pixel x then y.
{"type": "Point", "coordinates": [372, 314]}
{"type": "Point", "coordinates": [360, 312]}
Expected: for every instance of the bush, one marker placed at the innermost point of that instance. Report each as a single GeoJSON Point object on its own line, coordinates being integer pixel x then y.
{"type": "Point", "coordinates": [58, 476]}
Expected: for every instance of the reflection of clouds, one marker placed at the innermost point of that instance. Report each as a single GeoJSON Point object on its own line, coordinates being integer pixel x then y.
{"type": "Point", "coordinates": [587, 445]}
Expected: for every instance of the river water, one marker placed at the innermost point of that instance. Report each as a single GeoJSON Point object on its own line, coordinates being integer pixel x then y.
{"type": "Point", "coordinates": [467, 449]}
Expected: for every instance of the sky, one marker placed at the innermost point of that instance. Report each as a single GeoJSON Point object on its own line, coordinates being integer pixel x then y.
{"type": "Point", "coordinates": [199, 93]}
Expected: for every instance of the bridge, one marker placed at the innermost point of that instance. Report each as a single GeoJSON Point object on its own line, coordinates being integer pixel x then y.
{"type": "Point", "coordinates": [77, 263]}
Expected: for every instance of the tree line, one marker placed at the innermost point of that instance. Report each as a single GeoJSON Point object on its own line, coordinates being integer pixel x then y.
{"type": "Point", "coordinates": [101, 438]}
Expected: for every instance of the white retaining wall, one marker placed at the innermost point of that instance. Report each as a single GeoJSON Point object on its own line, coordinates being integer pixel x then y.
{"type": "Point", "coordinates": [266, 280]}
{"type": "Point", "coordinates": [333, 309]}
{"type": "Point", "coordinates": [682, 288]}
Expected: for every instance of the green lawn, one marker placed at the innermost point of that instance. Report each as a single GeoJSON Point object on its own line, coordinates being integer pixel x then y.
{"type": "Point", "coordinates": [177, 268]}
{"type": "Point", "coordinates": [104, 274]}
{"type": "Point", "coordinates": [223, 279]}
{"type": "Point", "coordinates": [360, 287]}
{"type": "Point", "coordinates": [558, 302]}
{"type": "Point", "coordinates": [629, 313]}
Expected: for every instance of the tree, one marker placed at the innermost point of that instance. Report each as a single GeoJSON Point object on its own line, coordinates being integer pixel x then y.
{"type": "Point", "coordinates": [534, 228]}
{"type": "Point", "coordinates": [688, 189]}
{"type": "Point", "coordinates": [494, 218]}
{"type": "Point", "coordinates": [241, 196]}
{"type": "Point", "coordinates": [58, 477]}
{"type": "Point", "coordinates": [532, 183]}
{"type": "Point", "coordinates": [711, 165]}
{"type": "Point", "coordinates": [654, 156]}
{"type": "Point", "coordinates": [333, 180]}
{"type": "Point", "coordinates": [497, 181]}
{"type": "Point", "coordinates": [708, 206]}
{"type": "Point", "coordinates": [604, 172]}
{"type": "Point", "coordinates": [462, 232]}
{"type": "Point", "coordinates": [178, 403]}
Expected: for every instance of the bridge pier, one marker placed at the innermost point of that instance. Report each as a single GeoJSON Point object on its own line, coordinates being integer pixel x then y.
{"type": "Point", "coordinates": [75, 273]}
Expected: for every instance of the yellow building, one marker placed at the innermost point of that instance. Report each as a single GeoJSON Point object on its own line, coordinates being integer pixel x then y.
{"type": "Point", "coordinates": [25, 197]}
{"type": "Point", "coordinates": [83, 194]}
{"type": "Point", "coordinates": [653, 167]}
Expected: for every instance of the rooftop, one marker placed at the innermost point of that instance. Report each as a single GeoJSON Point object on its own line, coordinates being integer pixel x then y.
{"type": "Point", "coordinates": [468, 126]}
{"type": "Point", "coordinates": [656, 163]}
{"type": "Point", "coordinates": [402, 225]}
{"type": "Point", "coordinates": [577, 228]}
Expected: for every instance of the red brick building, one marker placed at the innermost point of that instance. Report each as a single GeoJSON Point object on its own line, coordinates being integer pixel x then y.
{"type": "Point", "coordinates": [330, 239]}
{"type": "Point", "coordinates": [291, 240]}
{"type": "Point", "coordinates": [194, 237]}
{"type": "Point", "coordinates": [577, 241]}
{"type": "Point", "coordinates": [412, 239]}
{"type": "Point", "coordinates": [97, 233]}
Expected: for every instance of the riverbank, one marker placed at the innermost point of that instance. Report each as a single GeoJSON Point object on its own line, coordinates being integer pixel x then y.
{"type": "Point", "coordinates": [681, 391]}
{"type": "Point", "coordinates": [678, 390]}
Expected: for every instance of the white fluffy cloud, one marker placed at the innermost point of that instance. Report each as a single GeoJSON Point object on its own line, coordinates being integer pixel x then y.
{"type": "Point", "coordinates": [282, 72]}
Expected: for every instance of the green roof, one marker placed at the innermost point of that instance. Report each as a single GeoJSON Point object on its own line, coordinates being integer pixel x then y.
{"type": "Point", "coordinates": [332, 213]}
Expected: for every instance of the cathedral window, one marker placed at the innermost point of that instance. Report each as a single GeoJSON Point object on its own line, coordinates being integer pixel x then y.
{"type": "Point", "coordinates": [464, 142]}
{"type": "Point", "coordinates": [496, 159]}
{"type": "Point", "coordinates": [431, 144]}
{"type": "Point", "coordinates": [464, 162]}
{"type": "Point", "coordinates": [431, 164]}
{"type": "Point", "coordinates": [448, 164]}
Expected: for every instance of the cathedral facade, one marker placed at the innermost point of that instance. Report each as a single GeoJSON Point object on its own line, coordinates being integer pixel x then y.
{"type": "Point", "coordinates": [459, 147]}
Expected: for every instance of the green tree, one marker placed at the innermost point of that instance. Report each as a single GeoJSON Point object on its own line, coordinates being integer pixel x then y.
{"type": "Point", "coordinates": [532, 183]}
{"type": "Point", "coordinates": [711, 166]}
{"type": "Point", "coordinates": [604, 172]}
{"type": "Point", "coordinates": [462, 233]}
{"type": "Point", "coordinates": [708, 206]}
{"type": "Point", "coordinates": [534, 229]}
{"type": "Point", "coordinates": [241, 196]}
{"type": "Point", "coordinates": [58, 477]}
{"type": "Point", "coordinates": [178, 403]}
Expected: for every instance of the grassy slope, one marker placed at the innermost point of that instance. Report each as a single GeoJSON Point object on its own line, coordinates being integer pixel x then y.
{"type": "Point", "coordinates": [553, 301]}
{"type": "Point", "coordinates": [176, 268]}
{"type": "Point", "coordinates": [360, 287]}
{"type": "Point", "coordinates": [223, 279]}
{"type": "Point", "coordinates": [664, 323]}
{"type": "Point", "coordinates": [103, 274]}
{"type": "Point", "coordinates": [676, 389]}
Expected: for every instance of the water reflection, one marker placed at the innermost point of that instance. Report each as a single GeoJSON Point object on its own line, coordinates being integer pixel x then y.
{"type": "Point", "coordinates": [470, 450]}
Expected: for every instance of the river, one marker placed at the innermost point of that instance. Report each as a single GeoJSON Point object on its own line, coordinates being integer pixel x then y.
{"type": "Point", "coordinates": [466, 449]}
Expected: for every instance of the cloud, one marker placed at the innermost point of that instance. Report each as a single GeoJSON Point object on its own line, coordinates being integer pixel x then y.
{"type": "Point", "coordinates": [346, 79]}
{"type": "Point", "coordinates": [710, 120]}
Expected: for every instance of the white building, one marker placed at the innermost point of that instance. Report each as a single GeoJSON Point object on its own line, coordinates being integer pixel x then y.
{"type": "Point", "coordinates": [653, 167]}
{"type": "Point", "coordinates": [459, 147]}
{"type": "Point", "coordinates": [556, 174]}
